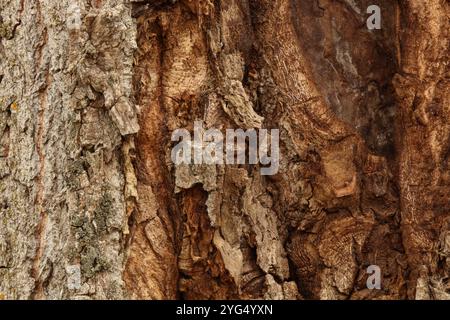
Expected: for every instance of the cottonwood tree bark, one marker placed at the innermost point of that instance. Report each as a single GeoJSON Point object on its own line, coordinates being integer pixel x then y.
{"type": "Point", "coordinates": [87, 187]}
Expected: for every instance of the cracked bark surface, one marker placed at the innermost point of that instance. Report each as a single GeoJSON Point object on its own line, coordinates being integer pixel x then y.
{"type": "Point", "coordinates": [86, 116]}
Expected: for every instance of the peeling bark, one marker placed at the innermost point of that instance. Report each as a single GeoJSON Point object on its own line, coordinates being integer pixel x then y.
{"type": "Point", "coordinates": [88, 188]}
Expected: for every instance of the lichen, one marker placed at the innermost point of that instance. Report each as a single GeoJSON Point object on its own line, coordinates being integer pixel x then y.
{"type": "Point", "coordinates": [91, 262]}
{"type": "Point", "coordinates": [6, 31]}
{"type": "Point", "coordinates": [102, 212]}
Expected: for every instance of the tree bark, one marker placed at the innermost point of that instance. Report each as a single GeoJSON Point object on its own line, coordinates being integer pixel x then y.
{"type": "Point", "coordinates": [88, 188]}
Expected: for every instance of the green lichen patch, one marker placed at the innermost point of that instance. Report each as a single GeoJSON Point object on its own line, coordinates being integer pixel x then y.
{"type": "Point", "coordinates": [75, 170]}
{"type": "Point", "coordinates": [6, 31]}
{"type": "Point", "coordinates": [91, 262]}
{"type": "Point", "coordinates": [102, 212]}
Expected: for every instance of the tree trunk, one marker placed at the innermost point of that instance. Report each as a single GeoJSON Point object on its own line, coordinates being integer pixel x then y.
{"type": "Point", "coordinates": [91, 205]}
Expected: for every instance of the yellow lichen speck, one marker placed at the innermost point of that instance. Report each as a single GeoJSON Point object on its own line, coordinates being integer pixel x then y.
{"type": "Point", "coordinates": [14, 106]}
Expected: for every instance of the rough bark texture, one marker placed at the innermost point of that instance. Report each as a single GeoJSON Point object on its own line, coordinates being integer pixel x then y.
{"type": "Point", "coordinates": [86, 116]}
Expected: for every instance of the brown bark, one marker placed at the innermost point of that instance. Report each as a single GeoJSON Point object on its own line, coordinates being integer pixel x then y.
{"type": "Point", "coordinates": [86, 177]}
